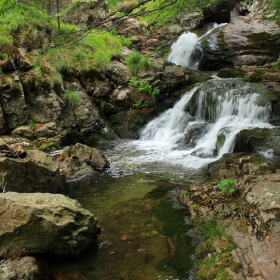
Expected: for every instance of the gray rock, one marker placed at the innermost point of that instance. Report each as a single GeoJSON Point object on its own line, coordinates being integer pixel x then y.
{"type": "Point", "coordinates": [13, 105]}
{"type": "Point", "coordinates": [80, 159]}
{"type": "Point", "coordinates": [37, 172]}
{"type": "Point", "coordinates": [26, 268]}
{"type": "Point", "coordinates": [245, 41]}
{"type": "Point", "coordinates": [36, 223]}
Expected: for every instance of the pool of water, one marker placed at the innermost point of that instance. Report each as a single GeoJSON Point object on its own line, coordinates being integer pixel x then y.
{"type": "Point", "coordinates": [144, 228]}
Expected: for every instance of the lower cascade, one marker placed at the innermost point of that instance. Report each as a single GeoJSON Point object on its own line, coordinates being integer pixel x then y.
{"type": "Point", "coordinates": [202, 125]}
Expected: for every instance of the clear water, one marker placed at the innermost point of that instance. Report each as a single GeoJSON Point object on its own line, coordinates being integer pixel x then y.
{"type": "Point", "coordinates": [144, 233]}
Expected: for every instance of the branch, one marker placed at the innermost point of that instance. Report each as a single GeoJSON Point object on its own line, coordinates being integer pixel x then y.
{"type": "Point", "coordinates": [84, 32]}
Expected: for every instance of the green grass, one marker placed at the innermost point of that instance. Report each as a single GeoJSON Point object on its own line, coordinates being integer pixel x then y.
{"type": "Point", "coordinates": [135, 62]}
{"type": "Point", "coordinates": [73, 99]}
{"type": "Point", "coordinates": [92, 53]}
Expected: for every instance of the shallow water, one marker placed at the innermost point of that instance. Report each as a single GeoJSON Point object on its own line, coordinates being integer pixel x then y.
{"type": "Point", "coordinates": [144, 230]}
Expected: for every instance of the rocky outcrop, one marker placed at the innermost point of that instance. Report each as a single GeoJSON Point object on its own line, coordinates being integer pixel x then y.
{"type": "Point", "coordinates": [13, 110]}
{"type": "Point", "coordinates": [37, 172]}
{"type": "Point", "coordinates": [219, 11]}
{"type": "Point", "coordinates": [90, 13]}
{"type": "Point", "coordinates": [262, 140]}
{"type": "Point", "coordinates": [80, 159]}
{"type": "Point", "coordinates": [245, 41]}
{"type": "Point", "coordinates": [250, 213]}
{"type": "Point", "coordinates": [44, 224]}
{"type": "Point", "coordinates": [26, 268]}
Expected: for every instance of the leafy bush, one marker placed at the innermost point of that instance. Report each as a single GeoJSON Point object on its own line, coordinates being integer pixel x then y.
{"type": "Point", "coordinates": [143, 86]}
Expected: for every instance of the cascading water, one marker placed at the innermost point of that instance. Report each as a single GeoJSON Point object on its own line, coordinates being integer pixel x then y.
{"type": "Point", "coordinates": [187, 51]}
{"type": "Point", "coordinates": [204, 123]}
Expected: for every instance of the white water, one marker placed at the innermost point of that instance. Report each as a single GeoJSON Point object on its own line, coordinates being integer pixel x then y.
{"type": "Point", "coordinates": [186, 51]}
{"type": "Point", "coordinates": [177, 140]}
{"type": "Point", "coordinates": [234, 112]}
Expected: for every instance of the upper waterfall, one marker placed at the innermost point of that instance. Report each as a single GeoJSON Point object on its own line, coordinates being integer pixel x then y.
{"type": "Point", "coordinates": [187, 51]}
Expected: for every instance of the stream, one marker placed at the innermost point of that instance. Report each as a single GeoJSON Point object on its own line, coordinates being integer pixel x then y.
{"type": "Point", "coordinates": [145, 230]}
{"type": "Point", "coordinates": [146, 233]}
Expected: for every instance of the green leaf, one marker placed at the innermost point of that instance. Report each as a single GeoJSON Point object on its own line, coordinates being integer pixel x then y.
{"type": "Point", "coordinates": [231, 190]}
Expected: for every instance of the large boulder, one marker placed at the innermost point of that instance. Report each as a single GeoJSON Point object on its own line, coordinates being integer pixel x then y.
{"type": "Point", "coordinates": [37, 172]}
{"type": "Point", "coordinates": [259, 140]}
{"type": "Point", "coordinates": [36, 223]}
{"type": "Point", "coordinates": [244, 41]}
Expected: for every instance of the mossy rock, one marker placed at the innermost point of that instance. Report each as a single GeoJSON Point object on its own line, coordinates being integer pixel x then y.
{"type": "Point", "coordinates": [48, 146]}
{"type": "Point", "coordinates": [230, 73]}
{"type": "Point", "coordinates": [258, 139]}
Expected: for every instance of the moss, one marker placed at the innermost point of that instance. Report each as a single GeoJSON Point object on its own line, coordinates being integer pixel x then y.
{"type": "Point", "coordinates": [77, 162]}
{"type": "Point", "coordinates": [195, 208]}
{"type": "Point", "coordinates": [249, 139]}
{"type": "Point", "coordinates": [47, 147]}
{"type": "Point", "coordinates": [214, 255]}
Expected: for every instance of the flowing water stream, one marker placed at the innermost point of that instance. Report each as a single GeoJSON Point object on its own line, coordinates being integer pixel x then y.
{"type": "Point", "coordinates": [144, 229]}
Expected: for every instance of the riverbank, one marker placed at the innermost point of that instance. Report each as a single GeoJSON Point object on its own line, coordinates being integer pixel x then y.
{"type": "Point", "coordinates": [242, 224]}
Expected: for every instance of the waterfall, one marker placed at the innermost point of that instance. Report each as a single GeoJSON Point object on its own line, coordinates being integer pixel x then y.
{"type": "Point", "coordinates": [203, 124]}
{"type": "Point", "coordinates": [187, 51]}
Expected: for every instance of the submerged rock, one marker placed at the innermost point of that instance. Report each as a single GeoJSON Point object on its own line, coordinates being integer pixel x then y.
{"type": "Point", "coordinates": [26, 268]}
{"type": "Point", "coordinates": [44, 224]}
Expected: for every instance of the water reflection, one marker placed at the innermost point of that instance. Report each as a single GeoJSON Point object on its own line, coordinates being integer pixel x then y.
{"type": "Point", "coordinates": [144, 233]}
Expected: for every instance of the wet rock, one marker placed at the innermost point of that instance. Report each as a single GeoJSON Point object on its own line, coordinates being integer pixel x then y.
{"type": "Point", "coordinates": [264, 141]}
{"type": "Point", "coordinates": [37, 172]}
{"type": "Point", "coordinates": [26, 268]}
{"type": "Point", "coordinates": [44, 224]}
{"type": "Point", "coordinates": [245, 41]}
{"type": "Point", "coordinates": [219, 11]}
{"type": "Point", "coordinates": [205, 153]}
{"type": "Point", "coordinates": [80, 159]}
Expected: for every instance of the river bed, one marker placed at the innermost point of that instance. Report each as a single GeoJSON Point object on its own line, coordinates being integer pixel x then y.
{"type": "Point", "coordinates": [144, 228]}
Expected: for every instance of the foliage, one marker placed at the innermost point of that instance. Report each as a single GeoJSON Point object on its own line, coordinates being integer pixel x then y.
{"type": "Point", "coordinates": [162, 16]}
{"type": "Point", "coordinates": [143, 86]}
{"type": "Point", "coordinates": [141, 104]}
{"type": "Point", "coordinates": [32, 125]}
{"type": "Point", "coordinates": [93, 53]}
{"type": "Point", "coordinates": [227, 186]}
{"type": "Point", "coordinates": [73, 99]}
{"type": "Point", "coordinates": [213, 229]}
{"type": "Point", "coordinates": [135, 62]}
